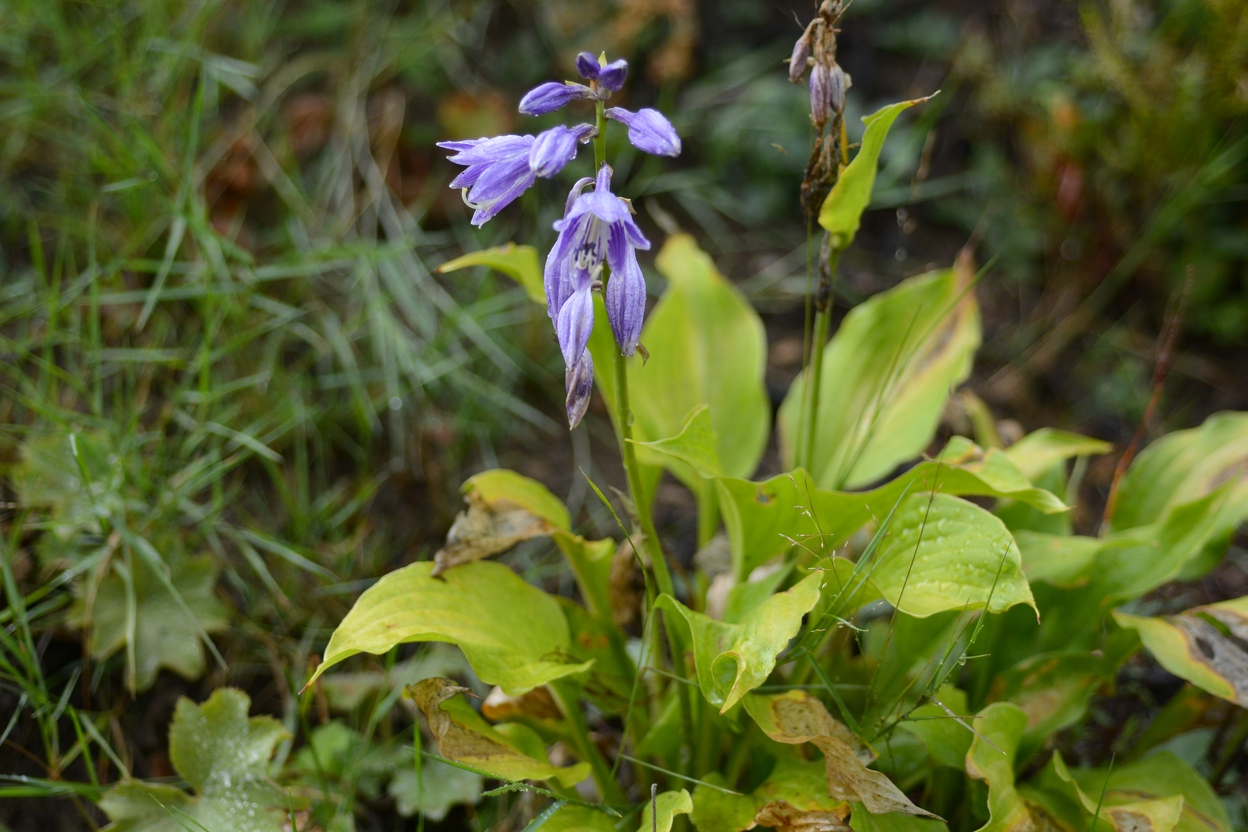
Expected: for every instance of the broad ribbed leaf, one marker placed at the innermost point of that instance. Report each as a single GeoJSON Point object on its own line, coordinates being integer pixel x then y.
{"type": "Point", "coordinates": [1204, 645]}
{"type": "Point", "coordinates": [763, 519]}
{"type": "Point", "coordinates": [513, 643]}
{"type": "Point", "coordinates": [707, 347]}
{"type": "Point", "coordinates": [733, 659]}
{"type": "Point", "coordinates": [944, 553]}
{"type": "Point", "coordinates": [1036, 452]}
{"type": "Point", "coordinates": [887, 374]}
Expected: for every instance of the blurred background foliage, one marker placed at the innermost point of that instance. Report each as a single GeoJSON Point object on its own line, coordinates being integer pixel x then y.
{"type": "Point", "coordinates": [233, 381]}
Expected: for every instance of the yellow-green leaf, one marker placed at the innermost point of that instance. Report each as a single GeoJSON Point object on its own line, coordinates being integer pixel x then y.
{"type": "Point", "coordinates": [515, 645]}
{"type": "Point", "coordinates": [999, 727]}
{"type": "Point", "coordinates": [695, 445]}
{"type": "Point", "coordinates": [944, 553]}
{"type": "Point", "coordinates": [842, 209]}
{"type": "Point", "coordinates": [887, 374]}
{"type": "Point", "coordinates": [1204, 645]}
{"type": "Point", "coordinates": [517, 262]}
{"type": "Point", "coordinates": [1036, 452]}
{"type": "Point", "coordinates": [707, 347]}
{"type": "Point", "coordinates": [658, 814]}
{"type": "Point", "coordinates": [733, 659]}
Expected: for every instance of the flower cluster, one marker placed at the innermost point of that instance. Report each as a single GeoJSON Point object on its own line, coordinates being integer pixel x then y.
{"type": "Point", "coordinates": [598, 239]}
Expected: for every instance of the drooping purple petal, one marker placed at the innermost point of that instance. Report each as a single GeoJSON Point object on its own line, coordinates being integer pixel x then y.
{"type": "Point", "coordinates": [553, 149]}
{"type": "Point", "coordinates": [579, 380]}
{"type": "Point", "coordinates": [648, 130]}
{"type": "Point", "coordinates": [626, 301]}
{"type": "Point", "coordinates": [575, 323]}
{"type": "Point", "coordinates": [548, 97]}
{"type": "Point", "coordinates": [497, 172]}
{"type": "Point", "coordinates": [575, 193]}
{"type": "Point", "coordinates": [612, 75]}
{"type": "Point", "coordinates": [587, 66]}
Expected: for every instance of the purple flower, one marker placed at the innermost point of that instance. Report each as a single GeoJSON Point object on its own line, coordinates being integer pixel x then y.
{"type": "Point", "coordinates": [498, 171]}
{"type": "Point", "coordinates": [820, 94]}
{"type": "Point", "coordinates": [556, 147]}
{"type": "Point", "coordinates": [609, 77]}
{"type": "Point", "coordinates": [551, 96]}
{"type": "Point", "coordinates": [502, 168]}
{"type": "Point", "coordinates": [648, 130]}
{"type": "Point", "coordinates": [597, 230]}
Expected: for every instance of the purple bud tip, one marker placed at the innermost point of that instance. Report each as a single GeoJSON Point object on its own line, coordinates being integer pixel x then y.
{"type": "Point", "coordinates": [587, 66]}
{"type": "Point", "coordinates": [612, 75]}
{"type": "Point", "coordinates": [579, 379]}
{"type": "Point", "coordinates": [548, 97]}
{"type": "Point", "coordinates": [648, 130]}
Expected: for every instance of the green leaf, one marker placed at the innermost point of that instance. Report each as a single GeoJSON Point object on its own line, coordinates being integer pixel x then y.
{"type": "Point", "coordinates": [1061, 560]}
{"type": "Point", "coordinates": [660, 812]}
{"type": "Point", "coordinates": [571, 817]}
{"type": "Point", "coordinates": [439, 789]}
{"type": "Point", "coordinates": [796, 717]}
{"type": "Point", "coordinates": [867, 822]}
{"type": "Point", "coordinates": [695, 445]}
{"type": "Point", "coordinates": [803, 784]}
{"type": "Point", "coordinates": [504, 508]}
{"type": "Point", "coordinates": [163, 634]}
{"type": "Point", "coordinates": [733, 659]}
{"type": "Point", "coordinates": [843, 207]}
{"type": "Point", "coordinates": [1204, 645]}
{"type": "Point", "coordinates": [1053, 690]}
{"type": "Point", "coordinates": [1036, 452]}
{"type": "Point", "coordinates": [223, 756]}
{"type": "Point", "coordinates": [946, 739]}
{"type": "Point", "coordinates": [1058, 792]}
{"type": "Point", "coordinates": [707, 347]}
{"type": "Point", "coordinates": [510, 752]}
{"type": "Point", "coordinates": [515, 645]}
{"type": "Point", "coordinates": [517, 262]}
{"type": "Point", "coordinates": [49, 476]}
{"type": "Point", "coordinates": [764, 519]}
{"type": "Point", "coordinates": [715, 810]}
{"type": "Point", "coordinates": [887, 374]}
{"type": "Point", "coordinates": [1160, 778]}
{"type": "Point", "coordinates": [1184, 466]}
{"type": "Point", "coordinates": [999, 727]}
{"type": "Point", "coordinates": [943, 553]}
{"type": "Point", "coordinates": [501, 489]}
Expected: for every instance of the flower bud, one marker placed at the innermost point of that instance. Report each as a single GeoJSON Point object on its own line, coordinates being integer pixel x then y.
{"type": "Point", "coordinates": [625, 300]}
{"type": "Point", "coordinates": [587, 66]}
{"type": "Point", "coordinates": [801, 51]}
{"type": "Point", "coordinates": [552, 150]}
{"type": "Point", "coordinates": [648, 130]}
{"type": "Point", "coordinates": [612, 75]}
{"type": "Point", "coordinates": [548, 97]}
{"type": "Point", "coordinates": [579, 380]}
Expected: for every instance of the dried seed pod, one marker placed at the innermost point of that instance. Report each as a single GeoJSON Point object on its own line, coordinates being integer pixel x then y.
{"type": "Point", "coordinates": [838, 82]}
{"type": "Point", "coordinates": [820, 102]}
{"type": "Point", "coordinates": [801, 51]}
